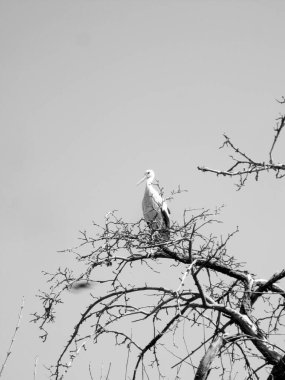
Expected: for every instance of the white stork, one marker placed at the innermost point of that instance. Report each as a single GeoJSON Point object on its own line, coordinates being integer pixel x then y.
{"type": "Point", "coordinates": [155, 210]}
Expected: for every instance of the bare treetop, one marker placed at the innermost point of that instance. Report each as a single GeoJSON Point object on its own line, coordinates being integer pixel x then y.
{"type": "Point", "coordinates": [210, 317]}
{"type": "Point", "coordinates": [219, 294]}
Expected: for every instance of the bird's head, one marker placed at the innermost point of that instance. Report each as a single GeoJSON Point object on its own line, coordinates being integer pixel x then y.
{"type": "Point", "coordinates": [148, 175]}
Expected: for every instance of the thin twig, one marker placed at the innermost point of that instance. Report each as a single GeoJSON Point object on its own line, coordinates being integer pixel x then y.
{"type": "Point", "coordinates": [13, 337]}
{"type": "Point", "coordinates": [278, 129]}
{"type": "Point", "coordinates": [35, 367]}
{"type": "Point", "coordinates": [108, 371]}
{"type": "Point", "coordinates": [90, 372]}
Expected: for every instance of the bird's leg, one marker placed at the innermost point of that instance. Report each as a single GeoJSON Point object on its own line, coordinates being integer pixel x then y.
{"type": "Point", "coordinates": [154, 237]}
{"type": "Point", "coordinates": [150, 254]}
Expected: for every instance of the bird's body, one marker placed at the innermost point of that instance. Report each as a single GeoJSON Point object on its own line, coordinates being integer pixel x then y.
{"type": "Point", "coordinates": [155, 210]}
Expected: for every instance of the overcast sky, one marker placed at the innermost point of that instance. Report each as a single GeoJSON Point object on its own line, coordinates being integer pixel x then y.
{"type": "Point", "coordinates": [95, 92]}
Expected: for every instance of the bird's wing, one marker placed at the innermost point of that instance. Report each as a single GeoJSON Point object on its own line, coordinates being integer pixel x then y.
{"type": "Point", "coordinates": [165, 217]}
{"type": "Point", "coordinates": [165, 214]}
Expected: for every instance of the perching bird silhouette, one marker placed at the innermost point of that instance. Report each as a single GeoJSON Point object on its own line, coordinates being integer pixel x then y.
{"type": "Point", "coordinates": [155, 210]}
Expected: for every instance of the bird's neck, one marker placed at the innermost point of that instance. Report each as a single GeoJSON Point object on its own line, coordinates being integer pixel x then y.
{"type": "Point", "coordinates": [149, 189]}
{"type": "Point", "coordinates": [149, 181]}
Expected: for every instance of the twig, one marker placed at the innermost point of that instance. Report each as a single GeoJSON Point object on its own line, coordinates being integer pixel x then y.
{"type": "Point", "coordinates": [182, 284]}
{"type": "Point", "coordinates": [128, 357]}
{"type": "Point", "coordinates": [35, 367]}
{"type": "Point", "coordinates": [90, 372]}
{"type": "Point", "coordinates": [108, 371]}
{"type": "Point", "coordinates": [278, 129]}
{"type": "Point", "coordinates": [13, 337]}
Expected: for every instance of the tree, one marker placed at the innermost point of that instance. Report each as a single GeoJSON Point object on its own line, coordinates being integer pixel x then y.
{"type": "Point", "coordinates": [238, 314]}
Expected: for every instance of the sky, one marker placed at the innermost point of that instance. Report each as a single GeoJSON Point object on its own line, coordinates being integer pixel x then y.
{"type": "Point", "coordinates": [93, 93]}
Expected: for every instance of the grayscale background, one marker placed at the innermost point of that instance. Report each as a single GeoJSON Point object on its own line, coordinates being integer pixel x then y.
{"type": "Point", "coordinates": [95, 92]}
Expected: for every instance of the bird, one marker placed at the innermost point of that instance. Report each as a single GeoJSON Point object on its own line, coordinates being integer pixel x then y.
{"type": "Point", "coordinates": [77, 286]}
{"type": "Point", "coordinates": [155, 210]}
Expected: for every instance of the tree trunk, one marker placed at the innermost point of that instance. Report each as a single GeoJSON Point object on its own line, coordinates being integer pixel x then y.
{"type": "Point", "coordinates": [278, 370]}
{"type": "Point", "coordinates": [208, 358]}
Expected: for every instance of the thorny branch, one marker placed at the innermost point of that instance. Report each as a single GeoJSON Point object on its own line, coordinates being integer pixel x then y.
{"type": "Point", "coordinates": [243, 165]}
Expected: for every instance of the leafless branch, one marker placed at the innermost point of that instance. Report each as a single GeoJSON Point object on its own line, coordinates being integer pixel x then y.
{"type": "Point", "coordinates": [9, 352]}
{"type": "Point", "coordinates": [244, 166]}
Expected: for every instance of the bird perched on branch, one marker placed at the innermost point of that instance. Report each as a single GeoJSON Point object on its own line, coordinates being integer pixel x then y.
{"type": "Point", "coordinates": [155, 210]}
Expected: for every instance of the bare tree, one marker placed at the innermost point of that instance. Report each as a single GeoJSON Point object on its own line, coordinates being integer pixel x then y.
{"type": "Point", "coordinates": [208, 294]}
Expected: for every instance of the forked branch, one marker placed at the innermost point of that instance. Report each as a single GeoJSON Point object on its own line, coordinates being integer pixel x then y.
{"type": "Point", "coordinates": [244, 166]}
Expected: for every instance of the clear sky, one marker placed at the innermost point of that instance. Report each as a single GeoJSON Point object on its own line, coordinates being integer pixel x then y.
{"type": "Point", "coordinates": [95, 92]}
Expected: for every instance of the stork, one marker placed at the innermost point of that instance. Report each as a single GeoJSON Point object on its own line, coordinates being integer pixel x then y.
{"type": "Point", "coordinates": [155, 210]}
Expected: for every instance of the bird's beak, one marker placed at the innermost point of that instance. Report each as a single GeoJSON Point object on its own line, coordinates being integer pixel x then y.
{"type": "Point", "coordinates": [141, 180]}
